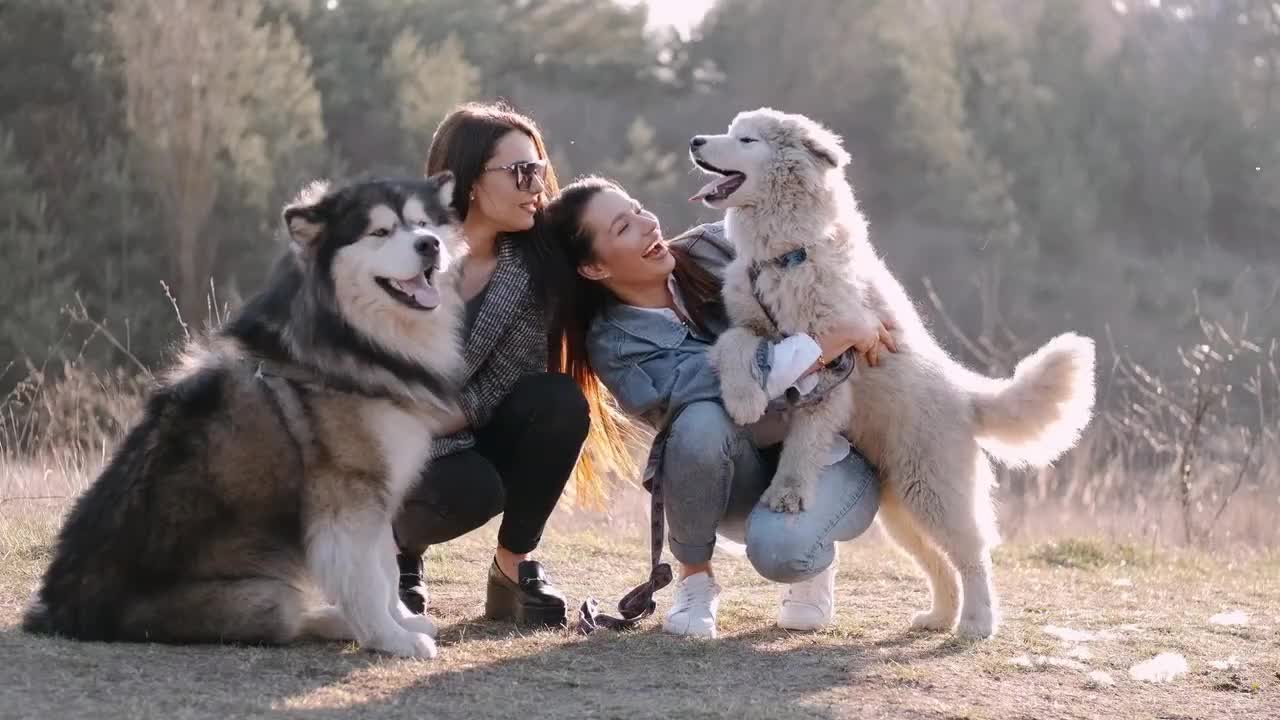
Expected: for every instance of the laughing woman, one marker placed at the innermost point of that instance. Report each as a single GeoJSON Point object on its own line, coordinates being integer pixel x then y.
{"type": "Point", "coordinates": [644, 315]}
{"type": "Point", "coordinates": [519, 429]}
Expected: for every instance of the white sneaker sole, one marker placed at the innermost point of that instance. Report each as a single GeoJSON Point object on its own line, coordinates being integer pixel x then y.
{"type": "Point", "coordinates": [803, 626]}
{"type": "Point", "coordinates": [702, 634]}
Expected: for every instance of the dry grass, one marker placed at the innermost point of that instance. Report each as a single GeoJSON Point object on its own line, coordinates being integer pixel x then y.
{"type": "Point", "coordinates": [1098, 545]}
{"type": "Point", "coordinates": [867, 666]}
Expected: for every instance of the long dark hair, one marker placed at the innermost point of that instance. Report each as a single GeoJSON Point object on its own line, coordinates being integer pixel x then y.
{"type": "Point", "coordinates": [464, 143]}
{"type": "Point", "coordinates": [699, 289]}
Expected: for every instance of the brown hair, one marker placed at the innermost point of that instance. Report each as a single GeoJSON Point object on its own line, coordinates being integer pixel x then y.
{"type": "Point", "coordinates": [464, 143]}
{"type": "Point", "coordinates": [697, 286]}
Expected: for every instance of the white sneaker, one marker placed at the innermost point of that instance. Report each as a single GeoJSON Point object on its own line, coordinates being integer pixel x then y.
{"type": "Point", "coordinates": [694, 611]}
{"type": "Point", "coordinates": [809, 605]}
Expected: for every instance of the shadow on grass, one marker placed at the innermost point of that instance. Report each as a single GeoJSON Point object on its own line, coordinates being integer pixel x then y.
{"type": "Point", "coordinates": [486, 671]}
{"type": "Point", "coordinates": [765, 673]}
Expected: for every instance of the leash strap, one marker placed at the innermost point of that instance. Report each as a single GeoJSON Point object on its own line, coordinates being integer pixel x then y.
{"type": "Point", "coordinates": [639, 603]}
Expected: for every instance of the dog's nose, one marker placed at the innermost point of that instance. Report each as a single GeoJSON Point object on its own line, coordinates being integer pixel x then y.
{"type": "Point", "coordinates": [427, 245]}
{"type": "Point", "coordinates": [697, 142]}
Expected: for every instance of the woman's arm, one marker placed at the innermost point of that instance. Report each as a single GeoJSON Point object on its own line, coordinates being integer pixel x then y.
{"type": "Point", "coordinates": [522, 351]}
{"type": "Point", "coordinates": [648, 382]}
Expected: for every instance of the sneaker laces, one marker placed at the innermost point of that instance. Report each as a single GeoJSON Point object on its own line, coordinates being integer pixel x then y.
{"type": "Point", "coordinates": [693, 592]}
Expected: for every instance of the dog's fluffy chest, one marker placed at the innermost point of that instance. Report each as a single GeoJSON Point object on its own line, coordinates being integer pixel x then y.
{"type": "Point", "coordinates": [785, 297]}
{"type": "Point", "coordinates": [404, 436]}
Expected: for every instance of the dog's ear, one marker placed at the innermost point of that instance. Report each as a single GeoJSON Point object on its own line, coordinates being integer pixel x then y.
{"type": "Point", "coordinates": [825, 145]}
{"type": "Point", "coordinates": [304, 217]}
{"type": "Point", "coordinates": [446, 184]}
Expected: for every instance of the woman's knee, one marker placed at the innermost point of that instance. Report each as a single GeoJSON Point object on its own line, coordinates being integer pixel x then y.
{"type": "Point", "coordinates": [456, 494]}
{"type": "Point", "coordinates": [701, 436]}
{"type": "Point", "coordinates": [854, 485]}
{"type": "Point", "coordinates": [784, 556]}
{"type": "Point", "coordinates": [555, 402]}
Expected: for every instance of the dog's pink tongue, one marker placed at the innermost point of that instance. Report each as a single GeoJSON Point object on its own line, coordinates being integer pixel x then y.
{"type": "Point", "coordinates": [707, 189]}
{"type": "Point", "coordinates": [423, 293]}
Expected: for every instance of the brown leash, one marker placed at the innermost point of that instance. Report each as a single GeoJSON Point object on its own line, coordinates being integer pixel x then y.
{"type": "Point", "coordinates": [639, 603]}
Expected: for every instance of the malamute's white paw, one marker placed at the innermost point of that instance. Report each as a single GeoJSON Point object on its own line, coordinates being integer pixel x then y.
{"type": "Point", "coordinates": [418, 624]}
{"type": "Point", "coordinates": [406, 644]}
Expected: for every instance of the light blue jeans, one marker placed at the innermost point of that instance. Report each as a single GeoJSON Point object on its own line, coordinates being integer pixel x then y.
{"type": "Point", "coordinates": [712, 480]}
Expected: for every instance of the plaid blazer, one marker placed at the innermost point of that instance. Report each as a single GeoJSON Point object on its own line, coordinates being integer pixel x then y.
{"type": "Point", "coordinates": [507, 342]}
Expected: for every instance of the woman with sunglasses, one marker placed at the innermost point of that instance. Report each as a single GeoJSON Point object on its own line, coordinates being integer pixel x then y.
{"type": "Point", "coordinates": [519, 428]}
{"type": "Point", "coordinates": [644, 314]}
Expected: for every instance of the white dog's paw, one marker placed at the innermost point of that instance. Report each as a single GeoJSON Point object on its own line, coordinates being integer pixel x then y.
{"type": "Point", "coordinates": [783, 498]}
{"type": "Point", "coordinates": [933, 621]}
{"type": "Point", "coordinates": [978, 626]}
{"type": "Point", "coordinates": [405, 644]}
{"type": "Point", "coordinates": [745, 407]}
{"type": "Point", "coordinates": [413, 622]}
{"type": "Point", "coordinates": [419, 624]}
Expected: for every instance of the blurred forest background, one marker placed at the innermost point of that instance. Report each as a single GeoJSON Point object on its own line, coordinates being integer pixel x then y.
{"type": "Point", "coordinates": [1028, 166]}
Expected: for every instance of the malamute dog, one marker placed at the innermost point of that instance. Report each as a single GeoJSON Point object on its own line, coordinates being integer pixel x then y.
{"type": "Point", "coordinates": [804, 262]}
{"type": "Point", "coordinates": [268, 465]}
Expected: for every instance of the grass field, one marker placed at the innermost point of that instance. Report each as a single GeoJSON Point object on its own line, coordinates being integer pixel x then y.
{"type": "Point", "coordinates": [1072, 610]}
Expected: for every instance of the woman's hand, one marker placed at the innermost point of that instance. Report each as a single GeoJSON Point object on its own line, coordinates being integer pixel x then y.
{"type": "Point", "coordinates": [452, 424]}
{"type": "Point", "coordinates": [866, 342]}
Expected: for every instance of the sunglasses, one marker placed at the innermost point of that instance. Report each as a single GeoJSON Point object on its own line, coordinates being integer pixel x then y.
{"type": "Point", "coordinates": [524, 172]}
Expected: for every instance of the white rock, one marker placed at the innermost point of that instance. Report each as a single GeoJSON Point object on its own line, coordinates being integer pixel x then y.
{"type": "Point", "coordinates": [1234, 617]}
{"type": "Point", "coordinates": [1163, 668]}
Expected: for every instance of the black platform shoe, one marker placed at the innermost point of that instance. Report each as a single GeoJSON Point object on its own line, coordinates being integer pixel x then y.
{"type": "Point", "coordinates": [531, 601]}
{"type": "Point", "coordinates": [413, 588]}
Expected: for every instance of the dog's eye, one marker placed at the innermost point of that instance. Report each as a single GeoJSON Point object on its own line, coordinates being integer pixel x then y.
{"type": "Point", "coordinates": [422, 223]}
{"type": "Point", "coordinates": [380, 232]}
{"type": "Point", "coordinates": [747, 140]}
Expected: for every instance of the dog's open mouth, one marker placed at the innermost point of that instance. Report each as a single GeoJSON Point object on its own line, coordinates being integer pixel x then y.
{"type": "Point", "coordinates": [720, 188]}
{"type": "Point", "coordinates": [417, 292]}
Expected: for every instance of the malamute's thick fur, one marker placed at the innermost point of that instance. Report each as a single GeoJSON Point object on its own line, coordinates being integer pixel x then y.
{"type": "Point", "coordinates": [920, 416]}
{"type": "Point", "coordinates": [268, 465]}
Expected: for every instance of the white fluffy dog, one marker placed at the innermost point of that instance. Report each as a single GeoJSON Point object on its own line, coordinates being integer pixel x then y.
{"type": "Point", "coordinates": [805, 264]}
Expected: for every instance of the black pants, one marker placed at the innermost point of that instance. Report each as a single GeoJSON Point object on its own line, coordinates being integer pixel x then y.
{"type": "Point", "coordinates": [519, 467]}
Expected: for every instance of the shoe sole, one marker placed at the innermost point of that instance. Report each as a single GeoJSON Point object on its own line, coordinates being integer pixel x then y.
{"type": "Point", "coordinates": [697, 636]}
{"type": "Point", "coordinates": [805, 627]}
{"type": "Point", "coordinates": [501, 606]}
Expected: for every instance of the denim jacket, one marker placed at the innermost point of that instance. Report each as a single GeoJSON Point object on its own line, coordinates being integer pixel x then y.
{"type": "Point", "coordinates": [655, 365]}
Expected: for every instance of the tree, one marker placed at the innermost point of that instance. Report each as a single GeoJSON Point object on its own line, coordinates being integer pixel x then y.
{"type": "Point", "coordinates": [38, 282]}
{"type": "Point", "coordinates": [647, 173]}
{"type": "Point", "coordinates": [423, 98]}
{"type": "Point", "coordinates": [213, 96]}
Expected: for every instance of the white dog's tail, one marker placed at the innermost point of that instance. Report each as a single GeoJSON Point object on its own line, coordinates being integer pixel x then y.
{"type": "Point", "coordinates": [1038, 414]}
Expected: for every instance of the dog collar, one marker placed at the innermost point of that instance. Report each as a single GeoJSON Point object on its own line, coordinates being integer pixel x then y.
{"type": "Point", "coordinates": [785, 261]}
{"type": "Point", "coordinates": [791, 259]}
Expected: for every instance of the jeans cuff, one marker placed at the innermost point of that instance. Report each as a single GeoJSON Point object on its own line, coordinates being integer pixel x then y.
{"type": "Point", "coordinates": [691, 554]}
